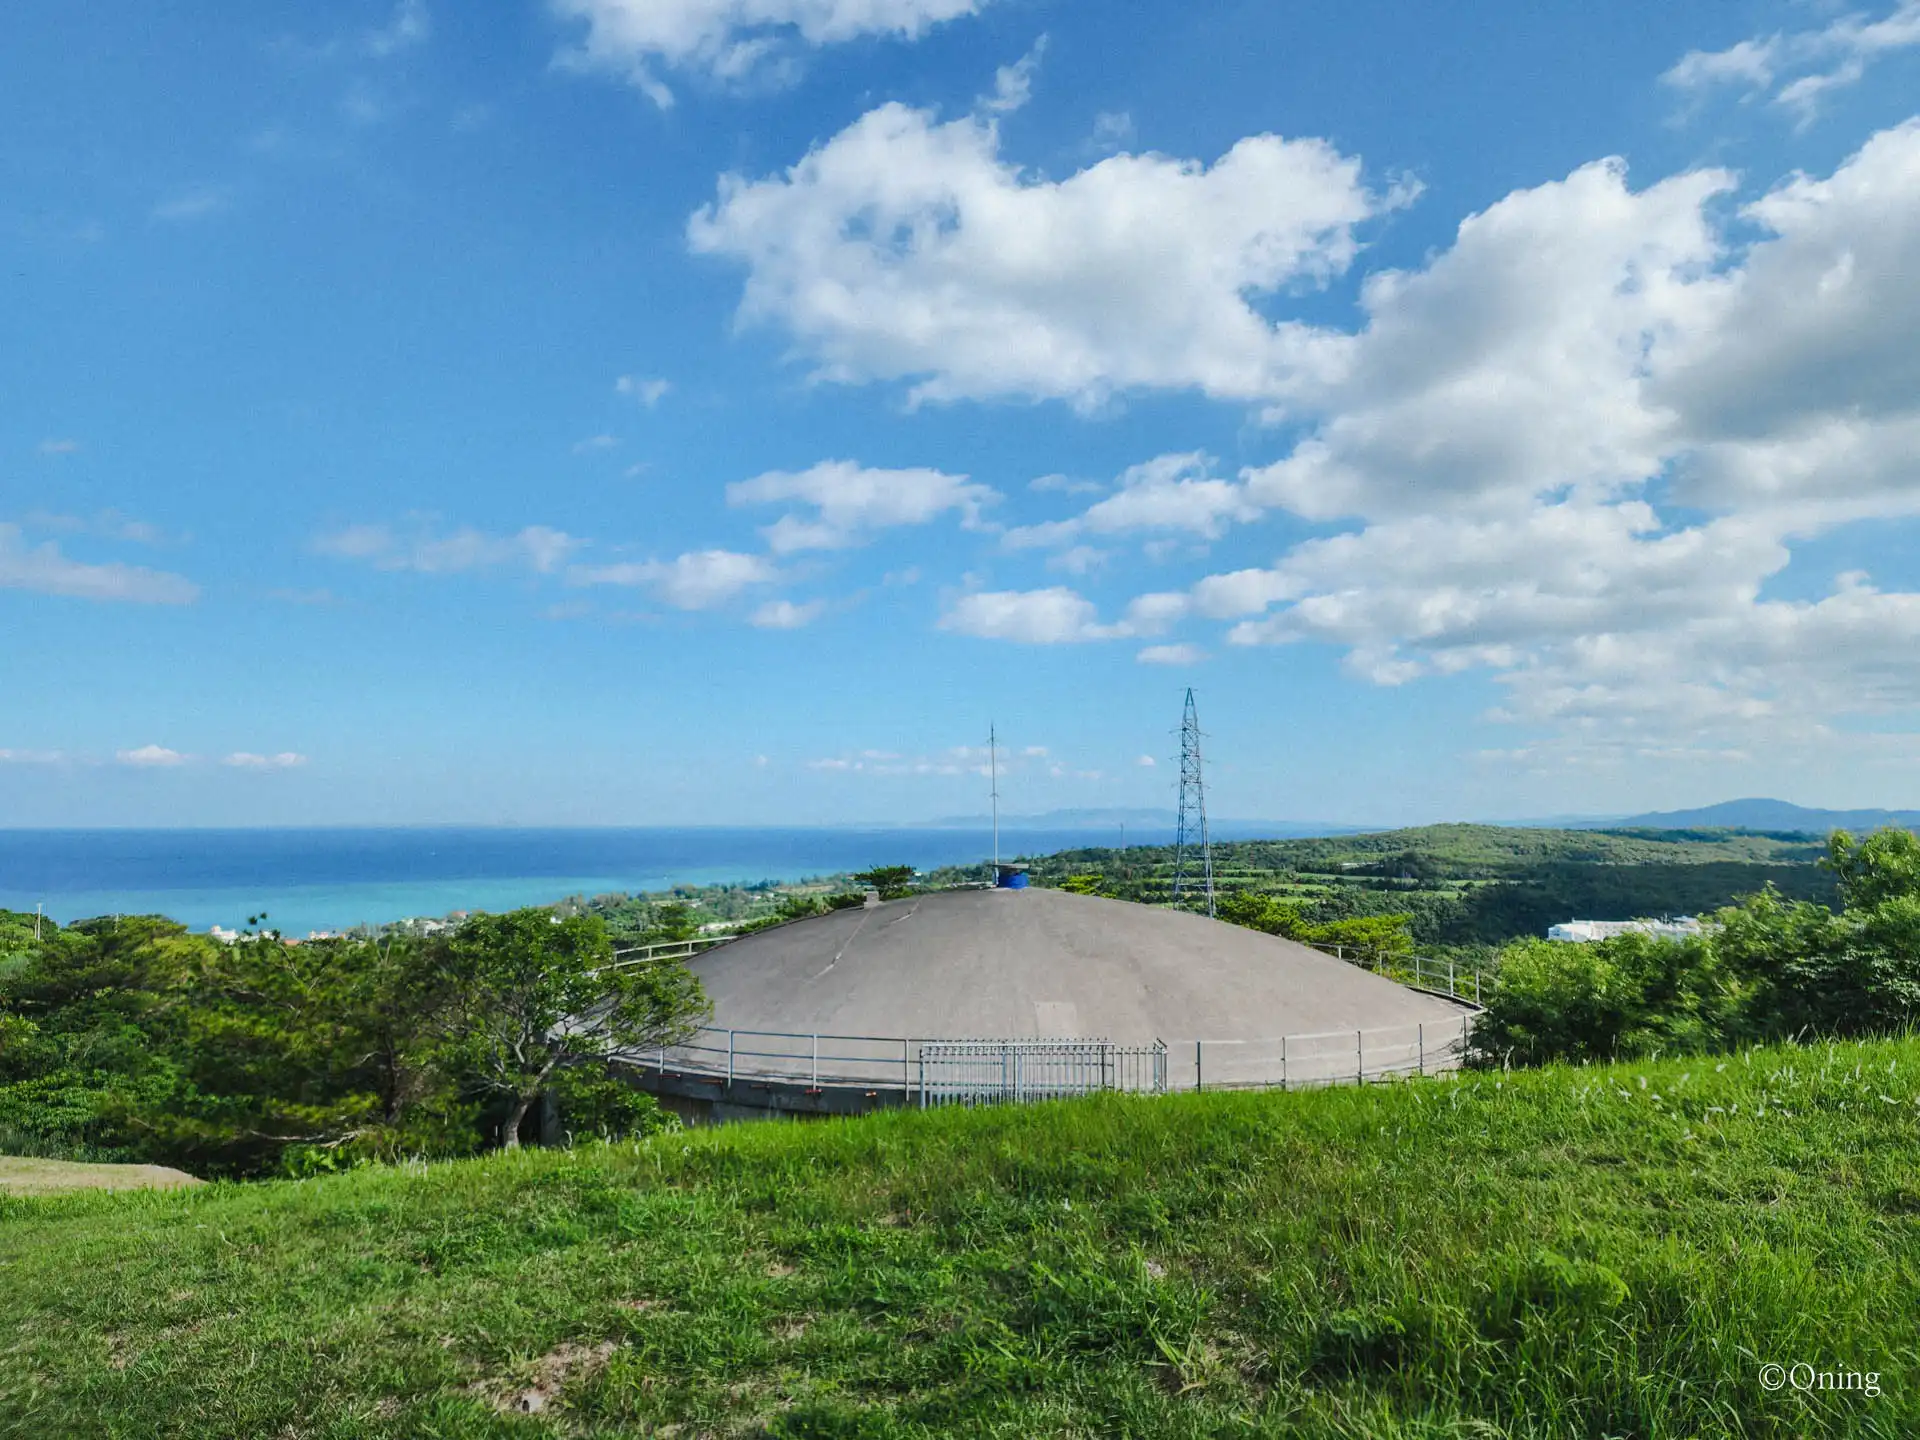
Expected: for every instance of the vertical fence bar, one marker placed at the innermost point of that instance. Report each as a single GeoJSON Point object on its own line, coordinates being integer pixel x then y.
{"type": "Point", "coordinates": [1423, 1049]}
{"type": "Point", "coordinates": [729, 1057]}
{"type": "Point", "coordinates": [1199, 1075]}
{"type": "Point", "coordinates": [816, 1062]}
{"type": "Point", "coordinates": [1360, 1057]}
{"type": "Point", "coordinates": [1283, 1062]}
{"type": "Point", "coordinates": [1450, 989]}
{"type": "Point", "coordinates": [1476, 987]}
{"type": "Point", "coordinates": [906, 1087]}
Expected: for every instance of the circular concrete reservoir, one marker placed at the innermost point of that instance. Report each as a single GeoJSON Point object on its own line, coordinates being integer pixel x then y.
{"type": "Point", "coordinates": [845, 1007]}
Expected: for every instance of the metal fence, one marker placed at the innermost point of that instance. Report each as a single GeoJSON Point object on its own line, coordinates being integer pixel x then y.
{"type": "Point", "coordinates": [978, 1072]}
{"type": "Point", "coordinates": [1418, 970]}
{"type": "Point", "coordinates": [1331, 1057]}
{"type": "Point", "coordinates": [790, 1057]}
{"type": "Point", "coordinates": [668, 950]}
{"type": "Point", "coordinates": [975, 1071]}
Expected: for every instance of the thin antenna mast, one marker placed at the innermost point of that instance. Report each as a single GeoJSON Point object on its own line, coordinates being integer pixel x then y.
{"type": "Point", "coordinates": [993, 772]}
{"type": "Point", "coordinates": [1192, 826]}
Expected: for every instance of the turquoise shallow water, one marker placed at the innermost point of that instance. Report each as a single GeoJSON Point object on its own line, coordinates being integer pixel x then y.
{"type": "Point", "coordinates": [329, 879]}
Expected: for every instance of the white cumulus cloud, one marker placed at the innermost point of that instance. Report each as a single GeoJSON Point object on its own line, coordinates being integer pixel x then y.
{"type": "Point", "coordinates": [1576, 447]}
{"type": "Point", "coordinates": [1171, 493]}
{"type": "Point", "coordinates": [909, 249]}
{"type": "Point", "coordinates": [1053, 616]}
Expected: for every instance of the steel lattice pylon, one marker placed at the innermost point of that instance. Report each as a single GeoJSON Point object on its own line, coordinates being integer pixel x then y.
{"type": "Point", "coordinates": [1191, 833]}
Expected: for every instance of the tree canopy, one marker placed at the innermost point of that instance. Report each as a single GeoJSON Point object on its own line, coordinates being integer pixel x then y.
{"type": "Point", "coordinates": [134, 1040]}
{"type": "Point", "coordinates": [1766, 968]}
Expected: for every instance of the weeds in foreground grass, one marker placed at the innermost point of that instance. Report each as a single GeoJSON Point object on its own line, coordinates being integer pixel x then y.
{"type": "Point", "coordinates": [1604, 1252]}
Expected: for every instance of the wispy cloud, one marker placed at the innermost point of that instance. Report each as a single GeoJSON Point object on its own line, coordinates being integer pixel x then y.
{"type": "Point", "coordinates": [247, 760]}
{"type": "Point", "coordinates": [537, 547]}
{"type": "Point", "coordinates": [786, 615]}
{"type": "Point", "coordinates": [1171, 655]}
{"type": "Point", "coordinates": [595, 444]}
{"type": "Point", "coordinates": [851, 502]}
{"type": "Point", "coordinates": [152, 757]}
{"type": "Point", "coordinates": [699, 580]}
{"type": "Point", "coordinates": [646, 391]}
{"type": "Point", "coordinates": [1065, 485]}
{"type": "Point", "coordinates": [197, 203]}
{"type": "Point", "coordinates": [956, 760]}
{"type": "Point", "coordinates": [410, 26]}
{"type": "Point", "coordinates": [729, 42]}
{"type": "Point", "coordinates": [51, 447]}
{"type": "Point", "coordinates": [1013, 84]}
{"type": "Point", "coordinates": [108, 524]}
{"type": "Point", "coordinates": [1801, 67]}
{"type": "Point", "coordinates": [31, 757]}
{"type": "Point", "coordinates": [45, 570]}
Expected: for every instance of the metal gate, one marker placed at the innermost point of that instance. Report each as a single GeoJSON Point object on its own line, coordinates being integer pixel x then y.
{"type": "Point", "coordinates": [984, 1072]}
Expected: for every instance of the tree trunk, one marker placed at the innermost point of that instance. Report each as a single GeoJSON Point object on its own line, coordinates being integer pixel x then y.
{"type": "Point", "coordinates": [510, 1133]}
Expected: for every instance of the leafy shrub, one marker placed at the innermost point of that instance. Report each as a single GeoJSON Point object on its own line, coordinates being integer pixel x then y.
{"type": "Point", "coordinates": [1623, 998]}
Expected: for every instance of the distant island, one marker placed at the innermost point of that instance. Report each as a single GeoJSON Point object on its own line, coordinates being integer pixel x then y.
{"type": "Point", "coordinates": [1763, 815]}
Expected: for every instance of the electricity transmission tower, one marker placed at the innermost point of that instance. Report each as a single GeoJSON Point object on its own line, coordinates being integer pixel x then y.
{"type": "Point", "coordinates": [1190, 842]}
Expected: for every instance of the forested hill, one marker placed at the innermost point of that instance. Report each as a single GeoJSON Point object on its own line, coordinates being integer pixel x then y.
{"type": "Point", "coordinates": [1480, 885]}
{"type": "Point", "coordinates": [1480, 851]}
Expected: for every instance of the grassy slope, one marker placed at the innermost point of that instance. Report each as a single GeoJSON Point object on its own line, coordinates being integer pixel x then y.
{"type": "Point", "coordinates": [1605, 1252]}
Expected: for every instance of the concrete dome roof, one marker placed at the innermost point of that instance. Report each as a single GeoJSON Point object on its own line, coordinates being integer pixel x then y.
{"type": "Point", "coordinates": [1044, 963]}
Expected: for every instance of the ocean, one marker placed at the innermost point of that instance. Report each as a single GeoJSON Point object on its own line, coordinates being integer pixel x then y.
{"type": "Point", "coordinates": [307, 880]}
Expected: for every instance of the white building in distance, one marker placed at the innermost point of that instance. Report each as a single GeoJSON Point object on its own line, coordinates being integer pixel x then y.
{"type": "Point", "coordinates": [1583, 931]}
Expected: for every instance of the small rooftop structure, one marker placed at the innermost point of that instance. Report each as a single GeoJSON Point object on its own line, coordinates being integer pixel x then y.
{"type": "Point", "coordinates": [1586, 931]}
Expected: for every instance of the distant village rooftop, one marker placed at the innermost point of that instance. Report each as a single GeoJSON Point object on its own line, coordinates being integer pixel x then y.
{"type": "Point", "coordinates": [1583, 931]}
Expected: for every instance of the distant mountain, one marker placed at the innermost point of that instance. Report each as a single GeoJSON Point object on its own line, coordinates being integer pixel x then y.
{"type": "Point", "coordinates": [1762, 815]}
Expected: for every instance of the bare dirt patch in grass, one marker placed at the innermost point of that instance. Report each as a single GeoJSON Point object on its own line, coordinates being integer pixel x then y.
{"type": "Point", "coordinates": [531, 1389]}
{"type": "Point", "coordinates": [22, 1175]}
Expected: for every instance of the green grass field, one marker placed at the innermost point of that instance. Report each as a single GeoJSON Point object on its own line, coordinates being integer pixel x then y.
{"type": "Point", "coordinates": [1612, 1252]}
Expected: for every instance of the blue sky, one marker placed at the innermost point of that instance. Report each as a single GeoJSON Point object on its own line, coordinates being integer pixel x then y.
{"type": "Point", "coordinates": [621, 411]}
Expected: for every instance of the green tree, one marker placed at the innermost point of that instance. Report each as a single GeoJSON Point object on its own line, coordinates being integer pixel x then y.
{"type": "Point", "coordinates": [1266, 913]}
{"type": "Point", "coordinates": [671, 922]}
{"type": "Point", "coordinates": [891, 881]}
{"type": "Point", "coordinates": [532, 994]}
{"type": "Point", "coordinates": [1885, 866]}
